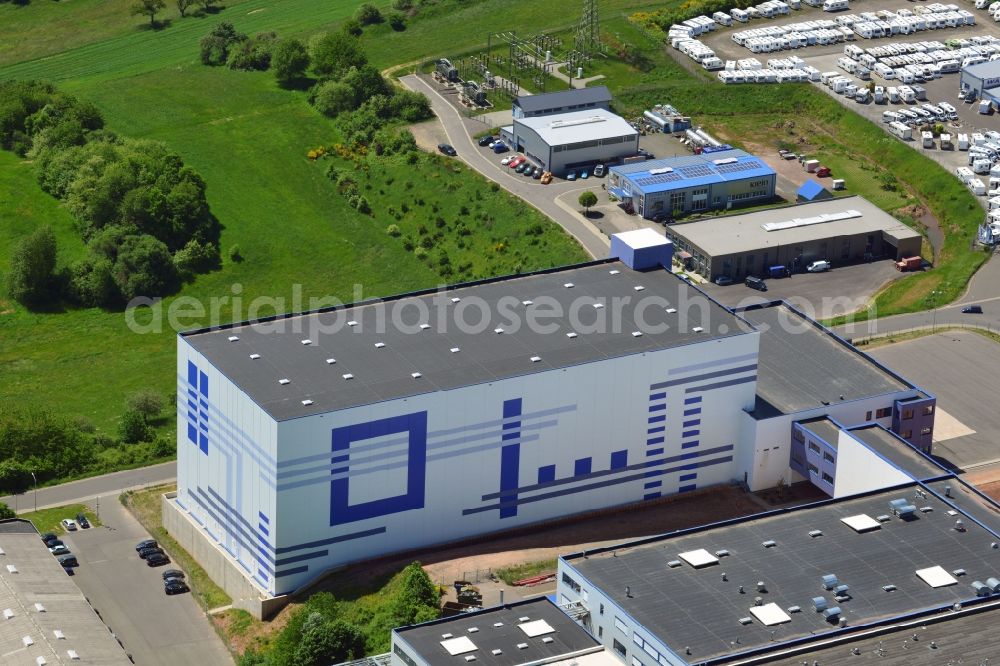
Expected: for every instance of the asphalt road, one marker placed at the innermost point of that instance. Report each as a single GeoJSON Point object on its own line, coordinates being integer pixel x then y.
{"type": "Point", "coordinates": [951, 365]}
{"type": "Point", "coordinates": [983, 290]}
{"type": "Point", "coordinates": [155, 629]}
{"type": "Point", "coordinates": [86, 490]}
{"type": "Point", "coordinates": [533, 193]}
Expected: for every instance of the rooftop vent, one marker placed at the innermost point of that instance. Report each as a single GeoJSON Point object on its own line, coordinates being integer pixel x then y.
{"type": "Point", "coordinates": [819, 604]}
{"type": "Point", "coordinates": [27, 641]}
{"type": "Point", "coordinates": [526, 303]}
{"type": "Point", "coordinates": [498, 330]}
{"type": "Point", "coordinates": [794, 609]}
{"type": "Point", "coordinates": [638, 287]}
{"type": "Point", "coordinates": [523, 619]}
{"type": "Point", "coordinates": [547, 639]}
{"type": "Point", "coordinates": [352, 323]}
{"type": "Point", "coordinates": [40, 660]}
{"type": "Point", "coordinates": [348, 375]}
{"type": "Point", "coordinates": [671, 310]}
{"type": "Point", "coordinates": [498, 624]}
{"type": "Point", "coordinates": [283, 381]}
{"type": "Point", "coordinates": [522, 646]}
{"type": "Point", "coordinates": [816, 533]}
{"type": "Point", "coordinates": [673, 564]}
{"type": "Point", "coordinates": [614, 272]}
{"type": "Point", "coordinates": [455, 299]}
{"type": "Point", "coordinates": [254, 357]}
{"type": "Point", "coordinates": [7, 613]}
{"type": "Point", "coordinates": [697, 329]}
{"type": "Point", "coordinates": [234, 338]}
{"type": "Point", "coordinates": [982, 590]}
{"type": "Point", "coordinates": [416, 375]}
{"type": "Point", "coordinates": [598, 306]}
{"type": "Point", "coordinates": [536, 359]}
{"type": "Point", "coordinates": [331, 361]}
{"type": "Point", "coordinates": [424, 327]}
{"type": "Point", "coordinates": [770, 543]}
{"type": "Point", "coordinates": [307, 341]}
{"type": "Point", "coordinates": [636, 334]}
{"type": "Point", "coordinates": [470, 657]}
{"type": "Point", "coordinates": [746, 620]}
{"type": "Point", "coordinates": [39, 607]}
{"type": "Point", "coordinates": [455, 350]}
{"type": "Point", "coordinates": [497, 652]}
{"type": "Point", "coordinates": [379, 345]}
{"type": "Point", "coordinates": [72, 655]}
{"type": "Point", "coordinates": [11, 569]}
{"type": "Point", "coordinates": [883, 518]}
{"type": "Point", "coordinates": [722, 553]}
{"type": "Point", "coordinates": [889, 588]}
{"type": "Point", "coordinates": [926, 509]}
{"type": "Point", "coordinates": [958, 572]}
{"type": "Point", "coordinates": [830, 581]}
{"type": "Point", "coordinates": [58, 634]}
{"type": "Point", "coordinates": [568, 285]}
{"type": "Point", "coordinates": [307, 402]}
{"type": "Point", "coordinates": [571, 335]}
{"type": "Point", "coordinates": [472, 630]}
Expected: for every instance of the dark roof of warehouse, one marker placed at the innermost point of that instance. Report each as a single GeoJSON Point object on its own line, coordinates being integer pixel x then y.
{"type": "Point", "coordinates": [897, 452]}
{"type": "Point", "coordinates": [480, 628]}
{"type": "Point", "coordinates": [967, 638]}
{"type": "Point", "coordinates": [562, 98]}
{"type": "Point", "coordinates": [694, 607]}
{"type": "Point", "coordinates": [802, 364]}
{"type": "Point", "coordinates": [385, 372]}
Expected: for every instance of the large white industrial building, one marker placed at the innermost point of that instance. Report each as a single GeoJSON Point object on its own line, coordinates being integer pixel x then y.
{"type": "Point", "coordinates": [314, 440]}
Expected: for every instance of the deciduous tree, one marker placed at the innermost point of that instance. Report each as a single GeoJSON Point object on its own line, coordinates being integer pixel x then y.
{"type": "Point", "coordinates": [289, 61]}
{"type": "Point", "coordinates": [148, 8]}
{"type": "Point", "coordinates": [587, 199]}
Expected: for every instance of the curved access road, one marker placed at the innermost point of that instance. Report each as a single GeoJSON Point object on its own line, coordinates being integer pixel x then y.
{"type": "Point", "coordinates": [539, 196]}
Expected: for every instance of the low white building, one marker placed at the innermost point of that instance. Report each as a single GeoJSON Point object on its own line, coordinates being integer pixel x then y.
{"type": "Point", "coordinates": [576, 140]}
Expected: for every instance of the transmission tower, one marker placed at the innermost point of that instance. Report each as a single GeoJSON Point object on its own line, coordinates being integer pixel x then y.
{"type": "Point", "coordinates": [588, 33]}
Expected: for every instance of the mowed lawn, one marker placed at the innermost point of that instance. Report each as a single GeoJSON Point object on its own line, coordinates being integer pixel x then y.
{"type": "Point", "coordinates": [249, 140]}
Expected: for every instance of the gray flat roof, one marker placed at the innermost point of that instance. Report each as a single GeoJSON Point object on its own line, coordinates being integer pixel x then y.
{"type": "Point", "coordinates": [697, 608]}
{"type": "Point", "coordinates": [385, 373]}
{"type": "Point", "coordinates": [968, 638]}
{"type": "Point", "coordinates": [825, 429]}
{"type": "Point", "coordinates": [576, 126]}
{"type": "Point", "coordinates": [39, 579]}
{"type": "Point", "coordinates": [897, 452]}
{"type": "Point", "coordinates": [562, 98]}
{"type": "Point", "coordinates": [802, 364]}
{"type": "Point", "coordinates": [732, 234]}
{"type": "Point", "coordinates": [480, 628]}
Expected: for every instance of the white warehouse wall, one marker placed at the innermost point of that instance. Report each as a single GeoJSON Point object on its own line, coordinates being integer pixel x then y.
{"type": "Point", "coordinates": [225, 481]}
{"type": "Point", "coordinates": [770, 467]}
{"type": "Point", "coordinates": [859, 469]}
{"type": "Point", "coordinates": [428, 469]}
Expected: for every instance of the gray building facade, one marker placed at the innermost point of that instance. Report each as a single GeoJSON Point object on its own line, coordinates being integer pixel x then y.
{"type": "Point", "coordinates": [577, 140]}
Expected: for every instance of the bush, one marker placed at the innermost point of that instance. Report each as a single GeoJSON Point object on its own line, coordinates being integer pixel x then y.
{"type": "Point", "coordinates": [352, 27]}
{"type": "Point", "coordinates": [402, 5]}
{"type": "Point", "coordinates": [397, 21]}
{"type": "Point", "coordinates": [147, 403]}
{"type": "Point", "coordinates": [393, 230]}
{"type": "Point", "coordinates": [92, 283]}
{"type": "Point", "coordinates": [332, 98]}
{"type": "Point", "coordinates": [215, 46]}
{"type": "Point", "coordinates": [368, 14]}
{"type": "Point", "coordinates": [290, 61]}
{"type": "Point", "coordinates": [31, 278]}
{"type": "Point", "coordinates": [144, 267]}
{"type": "Point", "coordinates": [133, 428]}
{"type": "Point", "coordinates": [235, 255]}
{"type": "Point", "coordinates": [253, 54]}
{"type": "Point", "coordinates": [196, 257]}
{"type": "Point", "coordinates": [6, 513]}
{"type": "Point", "coordinates": [334, 53]}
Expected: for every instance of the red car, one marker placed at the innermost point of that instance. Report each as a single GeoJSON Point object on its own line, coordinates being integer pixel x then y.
{"type": "Point", "coordinates": [516, 162]}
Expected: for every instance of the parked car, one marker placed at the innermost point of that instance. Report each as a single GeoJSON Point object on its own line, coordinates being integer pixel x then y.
{"type": "Point", "coordinates": [507, 160]}
{"type": "Point", "coordinates": [755, 283]}
{"type": "Point", "coordinates": [521, 168]}
{"type": "Point", "coordinates": [69, 571]}
{"type": "Point", "coordinates": [818, 266]}
{"type": "Point", "coordinates": [516, 162]}
{"type": "Point", "coordinates": [175, 586]}
{"type": "Point", "coordinates": [571, 176]}
{"type": "Point", "coordinates": [537, 174]}
{"type": "Point", "coordinates": [148, 543]}
{"type": "Point", "coordinates": [173, 573]}
{"type": "Point", "coordinates": [146, 552]}
{"type": "Point", "coordinates": [52, 543]}
{"type": "Point", "coordinates": [584, 174]}
{"type": "Point", "coordinates": [487, 140]}
{"type": "Point", "coordinates": [59, 550]}
{"type": "Point", "coordinates": [68, 524]}
{"type": "Point", "coordinates": [82, 521]}
{"type": "Point", "coordinates": [972, 309]}
{"type": "Point", "coordinates": [447, 149]}
{"type": "Point", "coordinates": [68, 560]}
{"type": "Point", "coordinates": [157, 560]}
{"type": "Point", "coordinates": [723, 280]}
{"type": "Point", "coordinates": [598, 170]}
{"type": "Point", "coordinates": [546, 178]}
{"type": "Point", "coordinates": [48, 536]}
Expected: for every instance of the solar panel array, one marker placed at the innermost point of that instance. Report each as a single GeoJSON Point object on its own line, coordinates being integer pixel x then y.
{"type": "Point", "coordinates": [658, 179]}
{"type": "Point", "coordinates": [696, 171]}
{"type": "Point", "coordinates": [739, 166]}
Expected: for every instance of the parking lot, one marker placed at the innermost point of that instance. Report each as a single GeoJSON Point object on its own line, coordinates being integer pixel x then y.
{"type": "Point", "coordinates": [958, 367]}
{"type": "Point", "coordinates": [154, 628]}
{"type": "Point", "coordinates": [824, 58]}
{"type": "Point", "coordinates": [819, 295]}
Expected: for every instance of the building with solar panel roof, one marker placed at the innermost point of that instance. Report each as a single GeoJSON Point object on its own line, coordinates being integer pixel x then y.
{"type": "Point", "coordinates": [693, 183]}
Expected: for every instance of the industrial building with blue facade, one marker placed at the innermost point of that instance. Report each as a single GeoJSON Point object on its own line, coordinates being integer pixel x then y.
{"type": "Point", "coordinates": [310, 441]}
{"type": "Point", "coordinates": [983, 79]}
{"type": "Point", "coordinates": [693, 183]}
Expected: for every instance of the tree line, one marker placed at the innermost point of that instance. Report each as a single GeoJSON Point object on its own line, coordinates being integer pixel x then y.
{"type": "Point", "coordinates": [141, 211]}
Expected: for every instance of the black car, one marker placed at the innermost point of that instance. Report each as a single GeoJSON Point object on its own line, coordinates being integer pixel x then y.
{"type": "Point", "coordinates": [487, 140]}
{"type": "Point", "coordinates": [52, 543]}
{"type": "Point", "coordinates": [146, 552]}
{"type": "Point", "coordinates": [173, 573]}
{"type": "Point", "coordinates": [175, 586]}
{"type": "Point", "coordinates": [48, 537]}
{"type": "Point", "coordinates": [157, 559]}
{"type": "Point", "coordinates": [82, 521]}
{"type": "Point", "coordinates": [972, 309]}
{"type": "Point", "coordinates": [69, 571]}
{"type": "Point", "coordinates": [447, 149]}
{"type": "Point", "coordinates": [148, 543]}
{"type": "Point", "coordinates": [68, 561]}
{"type": "Point", "coordinates": [755, 283]}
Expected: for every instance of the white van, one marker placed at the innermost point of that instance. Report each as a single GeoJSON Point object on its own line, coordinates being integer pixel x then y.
{"type": "Point", "coordinates": [818, 266]}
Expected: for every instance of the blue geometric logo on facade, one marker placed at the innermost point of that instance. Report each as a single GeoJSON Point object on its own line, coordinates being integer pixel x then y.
{"type": "Point", "coordinates": [197, 413]}
{"type": "Point", "coordinates": [412, 497]}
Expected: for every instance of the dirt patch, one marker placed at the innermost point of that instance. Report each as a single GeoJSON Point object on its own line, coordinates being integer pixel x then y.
{"type": "Point", "coordinates": [991, 490]}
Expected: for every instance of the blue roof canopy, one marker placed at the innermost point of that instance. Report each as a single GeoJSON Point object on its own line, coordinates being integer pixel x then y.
{"type": "Point", "coordinates": [810, 190]}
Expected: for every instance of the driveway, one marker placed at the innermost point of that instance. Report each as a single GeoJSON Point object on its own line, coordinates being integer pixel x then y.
{"type": "Point", "coordinates": [531, 191]}
{"type": "Point", "coordinates": [155, 629]}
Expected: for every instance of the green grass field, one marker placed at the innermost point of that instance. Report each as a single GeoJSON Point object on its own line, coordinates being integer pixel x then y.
{"type": "Point", "coordinates": [48, 520]}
